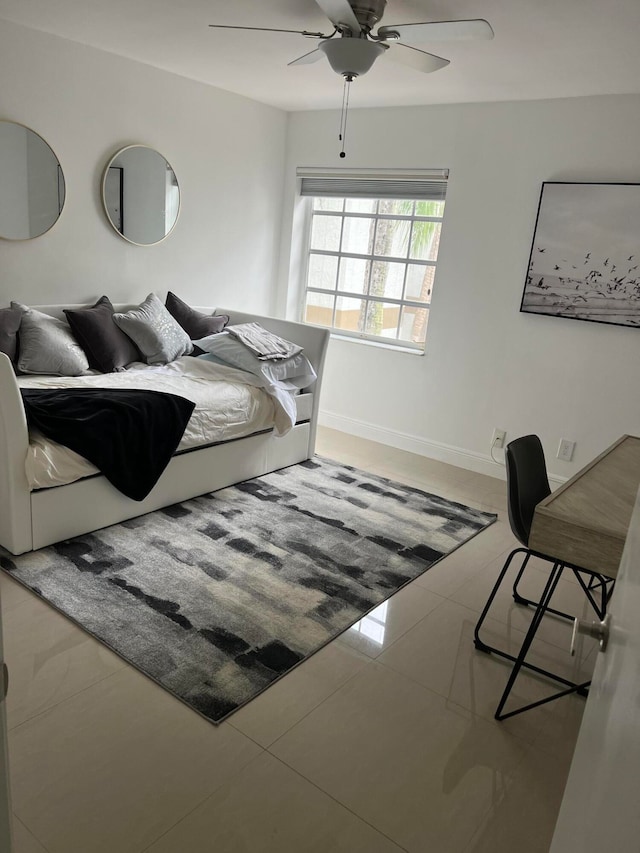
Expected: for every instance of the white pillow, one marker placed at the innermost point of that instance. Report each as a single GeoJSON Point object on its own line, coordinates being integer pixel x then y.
{"type": "Point", "coordinates": [157, 335]}
{"type": "Point", "coordinates": [47, 345]}
{"type": "Point", "coordinates": [290, 373]}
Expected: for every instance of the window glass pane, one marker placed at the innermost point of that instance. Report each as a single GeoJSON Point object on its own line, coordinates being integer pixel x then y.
{"type": "Point", "coordinates": [419, 282]}
{"type": "Point", "coordinates": [354, 275]}
{"type": "Point", "coordinates": [323, 270]}
{"type": "Point", "coordinates": [357, 235]}
{"type": "Point", "coordinates": [392, 237]}
{"type": "Point", "coordinates": [360, 205]}
{"type": "Point", "coordinates": [328, 203]}
{"type": "Point", "coordinates": [348, 313]}
{"type": "Point", "coordinates": [319, 309]}
{"type": "Point", "coordinates": [430, 208]}
{"type": "Point", "coordinates": [387, 279]}
{"type": "Point", "coordinates": [381, 319]}
{"type": "Point", "coordinates": [413, 324]}
{"type": "Point", "coordinates": [404, 207]}
{"type": "Point", "coordinates": [325, 233]}
{"type": "Point", "coordinates": [425, 239]}
{"type": "Point", "coordinates": [368, 257]}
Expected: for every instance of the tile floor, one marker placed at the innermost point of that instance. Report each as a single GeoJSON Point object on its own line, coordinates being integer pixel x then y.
{"type": "Point", "coordinates": [383, 741]}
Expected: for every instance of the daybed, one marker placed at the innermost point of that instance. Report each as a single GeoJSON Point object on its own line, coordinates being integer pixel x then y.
{"type": "Point", "coordinates": [31, 519]}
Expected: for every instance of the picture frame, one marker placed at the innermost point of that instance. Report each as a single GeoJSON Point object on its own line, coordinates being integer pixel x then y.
{"type": "Point", "coordinates": [584, 262]}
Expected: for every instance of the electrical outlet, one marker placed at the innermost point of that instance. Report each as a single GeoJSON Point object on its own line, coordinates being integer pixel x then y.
{"type": "Point", "coordinates": [498, 439]}
{"type": "Point", "coordinates": [565, 450]}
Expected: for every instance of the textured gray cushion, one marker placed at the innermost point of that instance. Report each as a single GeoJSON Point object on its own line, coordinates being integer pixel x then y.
{"type": "Point", "coordinates": [47, 345]}
{"type": "Point", "coordinates": [9, 324]}
{"type": "Point", "coordinates": [106, 346]}
{"type": "Point", "coordinates": [157, 335]}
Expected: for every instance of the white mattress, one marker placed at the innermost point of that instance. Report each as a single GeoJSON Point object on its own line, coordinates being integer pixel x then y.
{"type": "Point", "coordinates": [229, 404]}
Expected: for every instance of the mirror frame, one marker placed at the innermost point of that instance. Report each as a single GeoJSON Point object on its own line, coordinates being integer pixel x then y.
{"type": "Point", "coordinates": [103, 185]}
{"type": "Point", "coordinates": [64, 181]}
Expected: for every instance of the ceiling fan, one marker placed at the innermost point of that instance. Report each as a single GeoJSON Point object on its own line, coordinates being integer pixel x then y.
{"type": "Point", "coordinates": [352, 47]}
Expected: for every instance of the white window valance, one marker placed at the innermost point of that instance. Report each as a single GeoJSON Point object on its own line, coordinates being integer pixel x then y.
{"type": "Point", "coordinates": [364, 183]}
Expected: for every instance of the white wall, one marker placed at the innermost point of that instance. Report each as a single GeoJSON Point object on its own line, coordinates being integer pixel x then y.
{"type": "Point", "coordinates": [227, 152]}
{"type": "Point", "coordinates": [486, 364]}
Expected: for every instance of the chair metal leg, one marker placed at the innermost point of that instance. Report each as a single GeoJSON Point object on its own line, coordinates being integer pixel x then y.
{"type": "Point", "coordinates": [520, 662]}
{"type": "Point", "coordinates": [478, 643]}
{"type": "Point", "coordinates": [528, 602]}
{"type": "Point", "coordinates": [581, 689]}
{"type": "Point", "coordinates": [542, 607]}
{"type": "Point", "coordinates": [595, 581]}
{"type": "Point", "coordinates": [516, 595]}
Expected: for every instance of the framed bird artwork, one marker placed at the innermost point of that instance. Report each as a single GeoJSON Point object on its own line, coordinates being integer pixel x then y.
{"type": "Point", "coordinates": [585, 255]}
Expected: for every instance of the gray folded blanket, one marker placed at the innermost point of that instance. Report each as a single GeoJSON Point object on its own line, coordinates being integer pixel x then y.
{"type": "Point", "coordinates": [263, 344]}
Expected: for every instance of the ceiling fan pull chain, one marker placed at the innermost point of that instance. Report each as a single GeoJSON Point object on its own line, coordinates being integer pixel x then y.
{"type": "Point", "coordinates": [344, 97]}
{"type": "Point", "coordinates": [342, 136]}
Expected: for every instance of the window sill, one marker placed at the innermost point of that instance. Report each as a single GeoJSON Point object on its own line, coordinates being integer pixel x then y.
{"type": "Point", "coordinates": [378, 344]}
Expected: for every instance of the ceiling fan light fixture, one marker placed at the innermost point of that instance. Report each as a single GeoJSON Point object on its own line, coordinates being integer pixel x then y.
{"type": "Point", "coordinates": [351, 57]}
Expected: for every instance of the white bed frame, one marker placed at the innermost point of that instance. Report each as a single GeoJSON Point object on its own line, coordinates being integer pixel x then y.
{"type": "Point", "coordinates": [32, 519]}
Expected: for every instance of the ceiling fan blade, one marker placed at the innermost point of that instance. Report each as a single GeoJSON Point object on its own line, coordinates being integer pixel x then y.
{"type": "Point", "coordinates": [418, 59]}
{"type": "Point", "coordinates": [340, 12]}
{"type": "Point", "coordinates": [308, 58]}
{"type": "Point", "coordinates": [267, 30]}
{"type": "Point", "coordinates": [439, 31]}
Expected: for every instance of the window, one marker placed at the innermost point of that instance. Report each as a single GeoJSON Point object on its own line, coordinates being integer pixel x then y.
{"type": "Point", "coordinates": [373, 249]}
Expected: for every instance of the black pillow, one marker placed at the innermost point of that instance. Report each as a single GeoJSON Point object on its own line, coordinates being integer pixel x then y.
{"type": "Point", "coordinates": [10, 319]}
{"type": "Point", "coordinates": [195, 323]}
{"type": "Point", "coordinates": [106, 346]}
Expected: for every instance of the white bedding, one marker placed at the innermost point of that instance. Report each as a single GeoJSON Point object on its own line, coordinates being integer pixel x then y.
{"type": "Point", "coordinates": [229, 404]}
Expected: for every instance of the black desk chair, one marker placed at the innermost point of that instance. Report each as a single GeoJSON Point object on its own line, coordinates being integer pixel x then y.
{"type": "Point", "coordinates": [527, 485]}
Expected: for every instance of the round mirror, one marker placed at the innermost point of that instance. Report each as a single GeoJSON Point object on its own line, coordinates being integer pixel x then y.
{"type": "Point", "coordinates": [140, 195]}
{"type": "Point", "coordinates": [33, 190]}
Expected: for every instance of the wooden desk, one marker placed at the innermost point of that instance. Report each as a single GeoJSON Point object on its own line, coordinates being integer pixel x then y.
{"type": "Point", "coordinates": [585, 522]}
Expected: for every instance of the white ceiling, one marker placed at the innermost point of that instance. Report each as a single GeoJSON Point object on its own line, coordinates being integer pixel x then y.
{"type": "Point", "coordinates": [542, 48]}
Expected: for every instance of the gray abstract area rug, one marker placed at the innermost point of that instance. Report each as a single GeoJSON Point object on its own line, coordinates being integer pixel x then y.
{"type": "Point", "coordinates": [217, 597]}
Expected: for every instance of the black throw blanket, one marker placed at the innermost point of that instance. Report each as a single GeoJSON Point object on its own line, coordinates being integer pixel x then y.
{"type": "Point", "coordinates": [129, 435]}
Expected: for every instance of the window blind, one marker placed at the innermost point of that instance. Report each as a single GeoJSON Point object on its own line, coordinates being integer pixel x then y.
{"type": "Point", "coordinates": [430, 185]}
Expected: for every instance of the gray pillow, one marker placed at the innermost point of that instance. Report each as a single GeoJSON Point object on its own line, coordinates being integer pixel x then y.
{"type": "Point", "coordinates": [154, 331]}
{"type": "Point", "coordinates": [291, 373]}
{"type": "Point", "coordinates": [47, 345]}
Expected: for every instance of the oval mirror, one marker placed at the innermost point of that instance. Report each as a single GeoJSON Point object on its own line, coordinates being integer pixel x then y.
{"type": "Point", "coordinates": [140, 195]}
{"type": "Point", "coordinates": [33, 188]}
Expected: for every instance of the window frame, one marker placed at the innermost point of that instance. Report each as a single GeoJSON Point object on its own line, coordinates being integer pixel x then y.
{"type": "Point", "coordinates": [395, 343]}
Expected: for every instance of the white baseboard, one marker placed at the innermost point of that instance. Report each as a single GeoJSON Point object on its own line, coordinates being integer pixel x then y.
{"type": "Point", "coordinates": [469, 459]}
